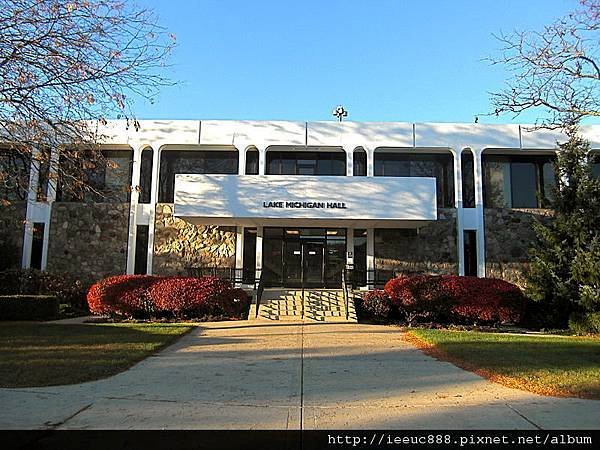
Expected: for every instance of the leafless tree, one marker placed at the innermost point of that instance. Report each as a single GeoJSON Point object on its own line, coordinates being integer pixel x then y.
{"type": "Point", "coordinates": [65, 66]}
{"type": "Point", "coordinates": [555, 71]}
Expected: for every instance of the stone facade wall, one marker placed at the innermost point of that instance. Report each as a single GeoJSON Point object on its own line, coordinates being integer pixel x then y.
{"type": "Point", "coordinates": [508, 235]}
{"type": "Point", "coordinates": [89, 239]}
{"type": "Point", "coordinates": [12, 229]}
{"type": "Point", "coordinates": [179, 244]}
{"type": "Point", "coordinates": [431, 250]}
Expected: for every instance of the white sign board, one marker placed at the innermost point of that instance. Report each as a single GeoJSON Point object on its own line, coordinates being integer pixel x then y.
{"type": "Point", "coordinates": [242, 199]}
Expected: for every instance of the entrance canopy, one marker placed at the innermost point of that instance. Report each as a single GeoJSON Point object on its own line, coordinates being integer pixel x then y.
{"type": "Point", "coordinates": [325, 201]}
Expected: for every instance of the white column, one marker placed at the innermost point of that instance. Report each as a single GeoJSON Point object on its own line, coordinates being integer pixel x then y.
{"type": "Point", "coordinates": [262, 161]}
{"type": "Point", "coordinates": [460, 238]}
{"type": "Point", "coordinates": [242, 149]}
{"type": "Point", "coordinates": [259, 250]}
{"type": "Point", "coordinates": [34, 177]}
{"type": "Point", "coordinates": [239, 247]}
{"type": "Point", "coordinates": [370, 255]}
{"type": "Point", "coordinates": [370, 161]}
{"type": "Point", "coordinates": [50, 199]}
{"type": "Point", "coordinates": [153, 201]}
{"type": "Point", "coordinates": [477, 159]}
{"type": "Point", "coordinates": [350, 246]}
{"type": "Point", "coordinates": [349, 161]}
{"type": "Point", "coordinates": [133, 202]}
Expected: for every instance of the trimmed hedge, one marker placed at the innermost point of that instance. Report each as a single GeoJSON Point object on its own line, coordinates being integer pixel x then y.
{"type": "Point", "coordinates": [28, 307]}
{"type": "Point", "coordinates": [585, 323]}
{"type": "Point", "coordinates": [456, 299]}
{"type": "Point", "coordinates": [146, 296]}
{"type": "Point", "coordinates": [37, 282]}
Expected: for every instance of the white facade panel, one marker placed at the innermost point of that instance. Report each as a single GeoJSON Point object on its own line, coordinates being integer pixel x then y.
{"type": "Point", "coordinates": [230, 199]}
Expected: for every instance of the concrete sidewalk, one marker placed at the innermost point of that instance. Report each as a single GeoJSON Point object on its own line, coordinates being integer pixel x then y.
{"type": "Point", "coordinates": [249, 375]}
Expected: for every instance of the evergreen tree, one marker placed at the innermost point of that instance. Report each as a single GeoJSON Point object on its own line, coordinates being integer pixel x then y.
{"type": "Point", "coordinates": [564, 273]}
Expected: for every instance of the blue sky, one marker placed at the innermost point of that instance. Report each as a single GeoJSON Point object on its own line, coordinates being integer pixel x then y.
{"type": "Point", "coordinates": [395, 60]}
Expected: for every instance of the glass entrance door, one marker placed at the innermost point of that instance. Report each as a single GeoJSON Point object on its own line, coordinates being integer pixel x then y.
{"type": "Point", "coordinates": [313, 263]}
{"type": "Point", "coordinates": [315, 256]}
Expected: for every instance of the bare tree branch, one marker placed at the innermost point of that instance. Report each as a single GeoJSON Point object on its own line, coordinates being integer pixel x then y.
{"type": "Point", "coordinates": [64, 65]}
{"type": "Point", "coordinates": [555, 72]}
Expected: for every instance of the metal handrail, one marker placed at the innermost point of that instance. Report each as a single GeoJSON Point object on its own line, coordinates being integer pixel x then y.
{"type": "Point", "coordinates": [345, 291]}
{"type": "Point", "coordinates": [260, 288]}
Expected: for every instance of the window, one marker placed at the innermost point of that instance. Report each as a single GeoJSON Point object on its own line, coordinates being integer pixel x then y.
{"type": "Point", "coordinates": [146, 175]}
{"type": "Point", "coordinates": [470, 252]}
{"type": "Point", "coordinates": [518, 181]}
{"type": "Point", "coordinates": [95, 177]}
{"type": "Point", "coordinates": [37, 246]}
{"type": "Point", "coordinates": [439, 165]}
{"type": "Point", "coordinates": [306, 163]}
{"type": "Point", "coordinates": [15, 186]}
{"type": "Point", "coordinates": [468, 179]}
{"type": "Point", "coordinates": [141, 250]}
{"type": "Point", "coordinates": [193, 161]}
{"type": "Point", "coordinates": [252, 162]}
{"type": "Point", "coordinates": [360, 163]}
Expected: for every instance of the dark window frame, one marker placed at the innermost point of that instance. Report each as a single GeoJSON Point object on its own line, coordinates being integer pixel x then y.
{"type": "Point", "coordinates": [314, 160]}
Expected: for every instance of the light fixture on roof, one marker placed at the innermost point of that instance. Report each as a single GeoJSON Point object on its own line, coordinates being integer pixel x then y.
{"type": "Point", "coordinates": [340, 112]}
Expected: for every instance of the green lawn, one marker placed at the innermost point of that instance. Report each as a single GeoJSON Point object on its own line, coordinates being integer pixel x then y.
{"type": "Point", "coordinates": [38, 354]}
{"type": "Point", "coordinates": [550, 365]}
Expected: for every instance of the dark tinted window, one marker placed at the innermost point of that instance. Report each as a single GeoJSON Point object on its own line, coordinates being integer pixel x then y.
{"type": "Point", "coordinates": [141, 250]}
{"type": "Point", "coordinates": [252, 162]}
{"type": "Point", "coordinates": [523, 183]}
{"type": "Point", "coordinates": [468, 179]}
{"type": "Point", "coordinates": [306, 163]}
{"type": "Point", "coordinates": [146, 175]}
{"type": "Point", "coordinates": [360, 163]}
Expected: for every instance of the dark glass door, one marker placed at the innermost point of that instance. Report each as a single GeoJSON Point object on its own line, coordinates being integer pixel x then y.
{"type": "Point", "coordinates": [313, 263]}
{"type": "Point", "coordinates": [292, 260]}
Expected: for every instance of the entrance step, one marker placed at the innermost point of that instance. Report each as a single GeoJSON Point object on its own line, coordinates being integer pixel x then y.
{"type": "Point", "coordinates": [320, 305]}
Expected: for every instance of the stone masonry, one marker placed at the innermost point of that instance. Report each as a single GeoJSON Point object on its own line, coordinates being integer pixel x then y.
{"type": "Point", "coordinates": [432, 250]}
{"type": "Point", "coordinates": [179, 244]}
{"type": "Point", "coordinates": [89, 239]}
{"type": "Point", "coordinates": [12, 229]}
{"type": "Point", "coordinates": [508, 235]}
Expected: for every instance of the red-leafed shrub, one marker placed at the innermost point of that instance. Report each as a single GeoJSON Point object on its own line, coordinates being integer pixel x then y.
{"type": "Point", "coordinates": [376, 304]}
{"type": "Point", "coordinates": [419, 297]}
{"type": "Point", "coordinates": [144, 296]}
{"type": "Point", "coordinates": [457, 299]}
{"type": "Point", "coordinates": [121, 295]}
{"type": "Point", "coordinates": [484, 299]}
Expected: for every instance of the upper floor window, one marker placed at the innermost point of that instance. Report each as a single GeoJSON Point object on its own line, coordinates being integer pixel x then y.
{"type": "Point", "coordinates": [517, 181]}
{"type": "Point", "coordinates": [468, 179]}
{"type": "Point", "coordinates": [360, 163]}
{"type": "Point", "coordinates": [437, 165]}
{"type": "Point", "coordinates": [252, 162]}
{"type": "Point", "coordinates": [95, 177]}
{"type": "Point", "coordinates": [174, 162]}
{"type": "Point", "coordinates": [15, 165]}
{"type": "Point", "coordinates": [146, 175]}
{"type": "Point", "coordinates": [306, 163]}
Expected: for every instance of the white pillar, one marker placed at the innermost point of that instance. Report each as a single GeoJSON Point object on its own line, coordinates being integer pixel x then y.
{"type": "Point", "coordinates": [133, 202]}
{"type": "Point", "coordinates": [153, 201]}
{"type": "Point", "coordinates": [242, 149]}
{"type": "Point", "coordinates": [34, 176]}
{"type": "Point", "coordinates": [349, 161]}
{"type": "Point", "coordinates": [350, 246]}
{"type": "Point", "coordinates": [460, 238]}
{"type": "Point", "coordinates": [370, 256]}
{"type": "Point", "coordinates": [370, 161]}
{"type": "Point", "coordinates": [259, 251]}
{"type": "Point", "coordinates": [50, 199]}
{"type": "Point", "coordinates": [262, 161]}
{"type": "Point", "coordinates": [239, 247]}
{"type": "Point", "coordinates": [478, 172]}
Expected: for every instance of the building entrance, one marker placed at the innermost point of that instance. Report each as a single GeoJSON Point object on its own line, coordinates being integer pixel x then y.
{"type": "Point", "coordinates": [309, 257]}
